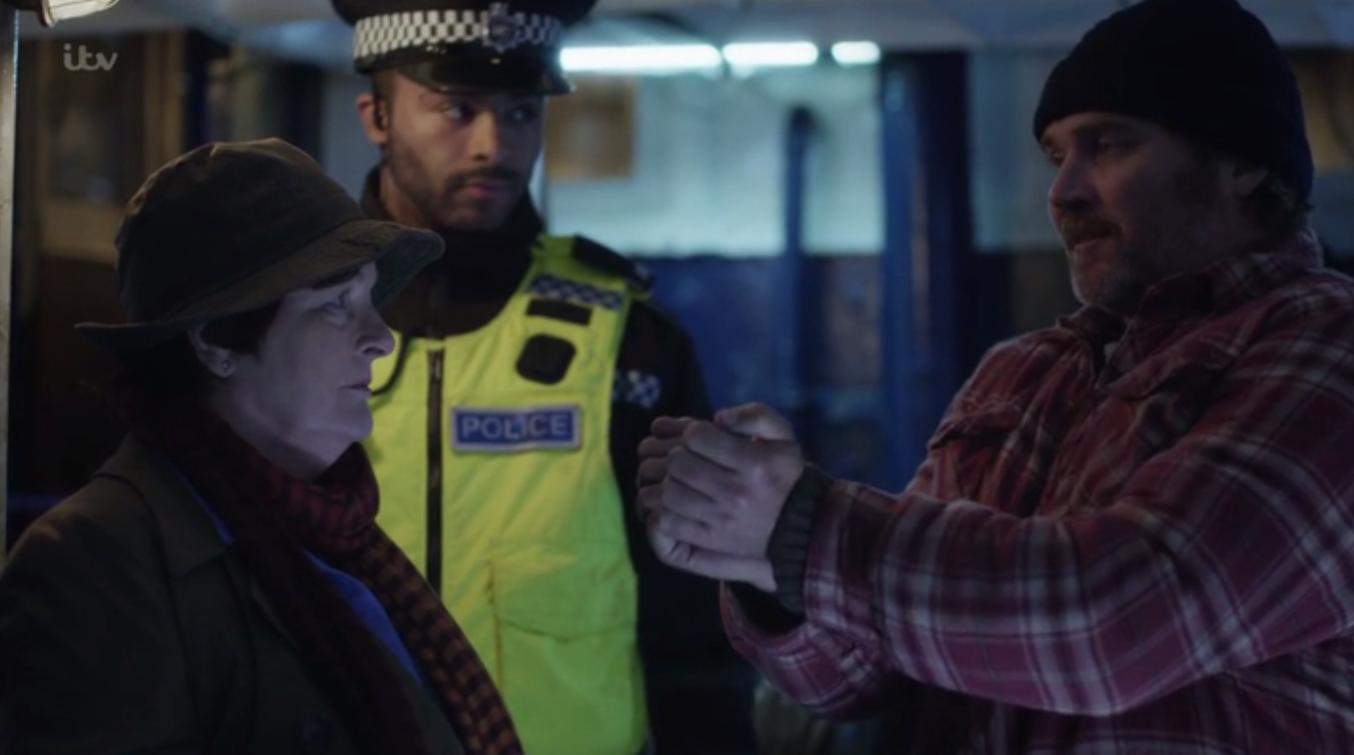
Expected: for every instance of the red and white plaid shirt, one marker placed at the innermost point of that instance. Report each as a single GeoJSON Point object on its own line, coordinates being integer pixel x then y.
{"type": "Point", "coordinates": [1147, 553]}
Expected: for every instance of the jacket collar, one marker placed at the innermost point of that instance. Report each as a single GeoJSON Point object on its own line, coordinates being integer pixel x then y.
{"type": "Point", "coordinates": [469, 284]}
{"type": "Point", "coordinates": [190, 538]}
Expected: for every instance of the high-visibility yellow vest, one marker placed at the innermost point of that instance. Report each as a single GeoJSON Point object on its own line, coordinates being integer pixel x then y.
{"type": "Point", "coordinates": [491, 450]}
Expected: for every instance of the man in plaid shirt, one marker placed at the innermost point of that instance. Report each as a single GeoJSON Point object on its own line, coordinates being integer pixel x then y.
{"type": "Point", "coordinates": [1134, 531]}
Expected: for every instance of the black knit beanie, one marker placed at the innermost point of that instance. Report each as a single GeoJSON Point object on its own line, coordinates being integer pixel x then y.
{"type": "Point", "coordinates": [1207, 69]}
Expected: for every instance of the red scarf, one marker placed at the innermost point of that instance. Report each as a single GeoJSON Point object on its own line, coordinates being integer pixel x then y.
{"type": "Point", "coordinates": [273, 517]}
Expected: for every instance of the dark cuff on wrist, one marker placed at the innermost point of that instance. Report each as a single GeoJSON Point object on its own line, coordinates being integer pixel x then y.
{"type": "Point", "coordinates": [788, 549]}
{"type": "Point", "coordinates": [764, 609]}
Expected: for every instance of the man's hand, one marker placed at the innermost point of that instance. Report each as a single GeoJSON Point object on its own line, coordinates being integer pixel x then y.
{"type": "Point", "coordinates": [710, 493]}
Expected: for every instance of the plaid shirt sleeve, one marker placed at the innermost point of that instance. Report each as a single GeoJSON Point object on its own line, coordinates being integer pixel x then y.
{"type": "Point", "coordinates": [1232, 546]}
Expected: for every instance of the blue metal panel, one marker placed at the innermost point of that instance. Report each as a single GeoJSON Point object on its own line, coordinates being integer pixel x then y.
{"type": "Point", "coordinates": [730, 308]}
{"type": "Point", "coordinates": [898, 322]}
{"type": "Point", "coordinates": [863, 353]}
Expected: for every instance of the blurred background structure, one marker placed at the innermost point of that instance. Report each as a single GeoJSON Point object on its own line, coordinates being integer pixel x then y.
{"type": "Point", "coordinates": [840, 198]}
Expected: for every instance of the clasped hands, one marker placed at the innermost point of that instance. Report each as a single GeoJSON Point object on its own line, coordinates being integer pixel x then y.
{"type": "Point", "coordinates": [710, 492]}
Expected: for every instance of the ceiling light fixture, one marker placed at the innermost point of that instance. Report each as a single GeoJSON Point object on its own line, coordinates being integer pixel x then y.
{"type": "Point", "coordinates": [769, 54]}
{"type": "Point", "coordinates": [653, 59]}
{"type": "Point", "coordinates": [855, 53]}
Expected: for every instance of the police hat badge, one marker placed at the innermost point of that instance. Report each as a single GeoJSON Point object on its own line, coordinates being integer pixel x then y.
{"type": "Point", "coordinates": [480, 45]}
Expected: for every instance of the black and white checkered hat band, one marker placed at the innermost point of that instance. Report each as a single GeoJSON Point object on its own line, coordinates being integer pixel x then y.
{"type": "Point", "coordinates": [550, 287]}
{"type": "Point", "coordinates": [495, 29]}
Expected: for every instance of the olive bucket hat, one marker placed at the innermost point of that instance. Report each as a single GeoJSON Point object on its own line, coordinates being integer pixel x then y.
{"type": "Point", "coordinates": [229, 227]}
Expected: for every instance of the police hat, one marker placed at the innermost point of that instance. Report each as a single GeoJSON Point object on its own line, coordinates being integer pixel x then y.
{"type": "Point", "coordinates": [501, 46]}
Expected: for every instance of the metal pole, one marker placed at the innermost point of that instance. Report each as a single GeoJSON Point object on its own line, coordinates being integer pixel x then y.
{"type": "Point", "coordinates": [9, 85]}
{"type": "Point", "coordinates": [797, 387]}
{"type": "Point", "coordinates": [905, 446]}
{"type": "Point", "coordinates": [942, 141]}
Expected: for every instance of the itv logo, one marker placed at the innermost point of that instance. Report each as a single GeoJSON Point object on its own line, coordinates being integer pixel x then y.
{"type": "Point", "coordinates": [87, 61]}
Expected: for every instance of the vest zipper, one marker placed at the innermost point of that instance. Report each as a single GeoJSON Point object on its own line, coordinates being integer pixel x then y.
{"type": "Point", "coordinates": [434, 528]}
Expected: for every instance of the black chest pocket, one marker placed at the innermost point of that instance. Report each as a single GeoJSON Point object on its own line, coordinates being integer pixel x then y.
{"type": "Point", "coordinates": [545, 359]}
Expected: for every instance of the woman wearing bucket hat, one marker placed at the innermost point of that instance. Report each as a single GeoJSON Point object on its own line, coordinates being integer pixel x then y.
{"type": "Point", "coordinates": [220, 584]}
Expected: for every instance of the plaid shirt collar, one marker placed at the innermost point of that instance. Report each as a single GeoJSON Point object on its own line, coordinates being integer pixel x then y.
{"type": "Point", "coordinates": [1214, 290]}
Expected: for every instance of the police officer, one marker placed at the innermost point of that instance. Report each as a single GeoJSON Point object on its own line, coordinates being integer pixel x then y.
{"type": "Point", "coordinates": [527, 370]}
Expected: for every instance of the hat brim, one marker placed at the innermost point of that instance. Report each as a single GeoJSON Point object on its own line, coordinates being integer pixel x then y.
{"type": "Point", "coordinates": [472, 71]}
{"type": "Point", "coordinates": [398, 251]}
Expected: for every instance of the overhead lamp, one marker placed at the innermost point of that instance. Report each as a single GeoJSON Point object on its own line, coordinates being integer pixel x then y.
{"type": "Point", "coordinates": [640, 59]}
{"type": "Point", "coordinates": [51, 11]}
{"type": "Point", "coordinates": [769, 54]}
{"type": "Point", "coordinates": [855, 53]}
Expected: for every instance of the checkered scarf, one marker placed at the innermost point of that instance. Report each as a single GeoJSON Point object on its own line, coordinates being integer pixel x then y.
{"type": "Point", "coordinates": [274, 516]}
